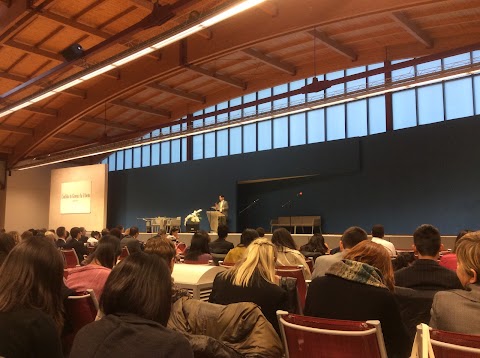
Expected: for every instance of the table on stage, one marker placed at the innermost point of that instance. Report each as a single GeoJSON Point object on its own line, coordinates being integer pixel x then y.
{"type": "Point", "coordinates": [213, 218]}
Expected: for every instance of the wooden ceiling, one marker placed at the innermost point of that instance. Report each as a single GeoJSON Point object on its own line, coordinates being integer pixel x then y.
{"type": "Point", "coordinates": [262, 47]}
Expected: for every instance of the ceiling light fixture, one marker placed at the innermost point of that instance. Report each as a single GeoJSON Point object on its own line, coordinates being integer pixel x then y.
{"type": "Point", "coordinates": [128, 56]}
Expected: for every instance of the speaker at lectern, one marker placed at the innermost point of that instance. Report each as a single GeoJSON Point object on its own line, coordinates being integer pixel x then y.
{"type": "Point", "coordinates": [213, 217]}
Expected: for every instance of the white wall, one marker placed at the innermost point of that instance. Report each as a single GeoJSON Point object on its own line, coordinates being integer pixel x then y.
{"type": "Point", "coordinates": [27, 199]}
{"type": "Point", "coordinates": [97, 218]}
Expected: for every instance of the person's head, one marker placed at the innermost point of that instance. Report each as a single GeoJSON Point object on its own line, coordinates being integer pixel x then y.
{"type": "Point", "coordinates": [352, 236]}
{"type": "Point", "coordinates": [198, 245]}
{"type": "Point", "coordinates": [375, 255]}
{"type": "Point", "coordinates": [261, 231]}
{"type": "Point", "coordinates": [248, 235]}
{"type": "Point", "coordinates": [316, 244]}
{"type": "Point", "coordinates": [95, 235]}
{"type": "Point", "coordinates": [378, 231]}
{"type": "Point", "coordinates": [83, 232]}
{"type": "Point", "coordinates": [162, 233]}
{"type": "Point", "coordinates": [26, 234]}
{"type": "Point", "coordinates": [7, 243]}
{"type": "Point", "coordinates": [468, 258]}
{"type": "Point", "coordinates": [15, 235]}
{"type": "Point", "coordinates": [222, 231]}
{"type": "Point", "coordinates": [105, 232]}
{"type": "Point", "coordinates": [120, 227]}
{"type": "Point", "coordinates": [61, 232]}
{"type": "Point", "coordinates": [427, 241]}
{"type": "Point", "coordinates": [459, 236]}
{"type": "Point", "coordinates": [129, 288]}
{"type": "Point", "coordinates": [259, 261]}
{"type": "Point", "coordinates": [31, 277]}
{"type": "Point", "coordinates": [175, 231]}
{"type": "Point", "coordinates": [134, 231]}
{"type": "Point", "coordinates": [50, 235]}
{"type": "Point", "coordinates": [107, 252]}
{"type": "Point", "coordinates": [221, 197]}
{"type": "Point", "coordinates": [281, 237]}
{"type": "Point", "coordinates": [162, 247]}
{"type": "Point", "coordinates": [75, 233]}
{"type": "Point", "coordinates": [116, 232]}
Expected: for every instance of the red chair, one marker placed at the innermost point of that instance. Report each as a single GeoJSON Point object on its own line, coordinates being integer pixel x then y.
{"type": "Point", "coordinates": [124, 253]}
{"type": "Point", "coordinates": [180, 247]}
{"type": "Point", "coordinates": [304, 336]}
{"type": "Point", "coordinates": [70, 258]}
{"type": "Point", "coordinates": [80, 310]}
{"type": "Point", "coordinates": [65, 274]}
{"type": "Point", "coordinates": [309, 262]}
{"type": "Point", "coordinates": [447, 344]}
{"type": "Point", "coordinates": [296, 272]}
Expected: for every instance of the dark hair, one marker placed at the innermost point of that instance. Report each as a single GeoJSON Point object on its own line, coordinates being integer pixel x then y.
{"type": "Point", "coordinates": [129, 288]}
{"type": "Point", "coordinates": [61, 231]}
{"type": "Point", "coordinates": [261, 231]}
{"type": "Point", "coordinates": [119, 227]}
{"type": "Point", "coordinates": [378, 231]}
{"type": "Point", "coordinates": [281, 237]}
{"type": "Point", "coordinates": [31, 277]}
{"type": "Point", "coordinates": [105, 232]}
{"type": "Point", "coordinates": [116, 232]}
{"type": "Point", "coordinates": [222, 196]}
{"type": "Point", "coordinates": [162, 247]}
{"type": "Point", "coordinates": [248, 235]}
{"type": "Point", "coordinates": [315, 244]}
{"type": "Point", "coordinates": [427, 240]}
{"type": "Point", "coordinates": [198, 246]}
{"type": "Point", "coordinates": [26, 234]}
{"type": "Point", "coordinates": [404, 259]}
{"type": "Point", "coordinates": [107, 251]}
{"type": "Point", "coordinates": [74, 231]}
{"type": "Point", "coordinates": [174, 229]}
{"type": "Point", "coordinates": [352, 236]}
{"type": "Point", "coordinates": [94, 234]}
{"type": "Point", "coordinates": [461, 234]}
{"type": "Point", "coordinates": [82, 229]}
{"type": "Point", "coordinates": [133, 231]}
{"type": "Point", "coordinates": [222, 231]}
{"type": "Point", "coordinates": [7, 243]}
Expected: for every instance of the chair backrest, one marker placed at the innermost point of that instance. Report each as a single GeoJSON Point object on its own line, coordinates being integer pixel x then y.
{"type": "Point", "coordinates": [191, 262]}
{"type": "Point", "coordinates": [180, 248]}
{"type": "Point", "coordinates": [309, 262]}
{"type": "Point", "coordinates": [70, 258]}
{"type": "Point", "coordinates": [304, 336]}
{"type": "Point", "coordinates": [296, 272]}
{"type": "Point", "coordinates": [80, 310]}
{"type": "Point", "coordinates": [453, 345]}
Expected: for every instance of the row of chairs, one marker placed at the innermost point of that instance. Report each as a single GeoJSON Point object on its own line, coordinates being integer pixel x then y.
{"type": "Point", "coordinates": [319, 337]}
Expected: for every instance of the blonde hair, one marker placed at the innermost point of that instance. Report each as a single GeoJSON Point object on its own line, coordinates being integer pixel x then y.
{"type": "Point", "coordinates": [468, 253]}
{"type": "Point", "coordinates": [260, 258]}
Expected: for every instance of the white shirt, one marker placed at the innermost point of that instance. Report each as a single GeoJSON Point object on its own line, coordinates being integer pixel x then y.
{"type": "Point", "coordinates": [386, 244]}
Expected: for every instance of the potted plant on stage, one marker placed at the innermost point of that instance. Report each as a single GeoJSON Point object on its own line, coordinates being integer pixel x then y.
{"type": "Point", "coordinates": [192, 221]}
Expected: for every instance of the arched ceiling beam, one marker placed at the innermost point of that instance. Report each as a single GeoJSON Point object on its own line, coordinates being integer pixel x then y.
{"type": "Point", "coordinates": [176, 92]}
{"type": "Point", "coordinates": [142, 108]}
{"type": "Point", "coordinates": [235, 82]}
{"type": "Point", "coordinates": [409, 26]}
{"type": "Point", "coordinates": [334, 45]}
{"type": "Point", "coordinates": [15, 129]}
{"type": "Point", "coordinates": [102, 122]}
{"type": "Point", "coordinates": [273, 62]}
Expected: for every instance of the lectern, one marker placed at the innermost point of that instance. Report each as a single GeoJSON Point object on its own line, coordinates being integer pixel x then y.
{"type": "Point", "coordinates": [213, 217]}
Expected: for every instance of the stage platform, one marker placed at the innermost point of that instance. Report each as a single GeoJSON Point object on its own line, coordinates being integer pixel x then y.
{"type": "Point", "coordinates": [401, 242]}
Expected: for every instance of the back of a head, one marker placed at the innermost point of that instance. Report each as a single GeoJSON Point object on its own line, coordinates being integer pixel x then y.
{"type": "Point", "coordinates": [74, 231]}
{"type": "Point", "coordinates": [107, 251]}
{"type": "Point", "coordinates": [282, 238]}
{"type": "Point", "coordinates": [352, 236]}
{"type": "Point", "coordinates": [427, 240]}
{"type": "Point", "coordinates": [133, 231]}
{"type": "Point", "coordinates": [316, 244]}
{"type": "Point", "coordinates": [61, 231]}
{"type": "Point", "coordinates": [198, 245]}
{"type": "Point", "coordinates": [116, 232]}
{"type": "Point", "coordinates": [375, 255]}
{"type": "Point", "coordinates": [162, 247]}
{"type": "Point", "coordinates": [26, 234]}
{"type": "Point", "coordinates": [7, 243]}
{"type": "Point", "coordinates": [248, 235]}
{"type": "Point", "coordinates": [129, 288]}
{"type": "Point", "coordinates": [468, 253]}
{"type": "Point", "coordinates": [261, 231]}
{"type": "Point", "coordinates": [105, 232]}
{"type": "Point", "coordinates": [222, 231]}
{"type": "Point", "coordinates": [259, 259]}
{"type": "Point", "coordinates": [31, 277]}
{"type": "Point", "coordinates": [378, 231]}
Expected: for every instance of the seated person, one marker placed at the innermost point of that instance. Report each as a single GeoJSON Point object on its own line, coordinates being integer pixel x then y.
{"type": "Point", "coordinates": [351, 237]}
{"type": "Point", "coordinates": [93, 239]}
{"type": "Point", "coordinates": [199, 250]}
{"type": "Point", "coordinates": [288, 255]}
{"type": "Point", "coordinates": [221, 245]}
{"type": "Point", "coordinates": [7, 243]}
{"type": "Point", "coordinates": [261, 231]}
{"type": "Point", "coordinates": [457, 310]}
{"type": "Point", "coordinates": [425, 273]}
{"type": "Point", "coordinates": [378, 234]}
{"type": "Point", "coordinates": [174, 234]}
{"type": "Point", "coordinates": [30, 299]}
{"type": "Point", "coordinates": [253, 279]}
{"type": "Point", "coordinates": [130, 240]}
{"type": "Point", "coordinates": [236, 254]}
{"type": "Point", "coordinates": [97, 269]}
{"type": "Point", "coordinates": [74, 243]}
{"type": "Point", "coordinates": [359, 288]}
{"type": "Point", "coordinates": [315, 247]}
{"type": "Point", "coordinates": [449, 260]}
{"type": "Point", "coordinates": [136, 314]}
{"type": "Point", "coordinates": [164, 248]}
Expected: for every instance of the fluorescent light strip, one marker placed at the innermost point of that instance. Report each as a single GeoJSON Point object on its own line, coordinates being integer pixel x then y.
{"type": "Point", "coordinates": [254, 120]}
{"type": "Point", "coordinates": [224, 15]}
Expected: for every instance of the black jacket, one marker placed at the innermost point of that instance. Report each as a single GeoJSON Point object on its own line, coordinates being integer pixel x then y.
{"type": "Point", "coordinates": [336, 298]}
{"type": "Point", "coordinates": [80, 248]}
{"type": "Point", "coordinates": [427, 275]}
{"type": "Point", "coordinates": [220, 246]}
{"type": "Point", "coordinates": [129, 336]}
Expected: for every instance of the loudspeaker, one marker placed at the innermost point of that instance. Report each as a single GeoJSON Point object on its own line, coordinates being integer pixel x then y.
{"type": "Point", "coordinates": [72, 52]}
